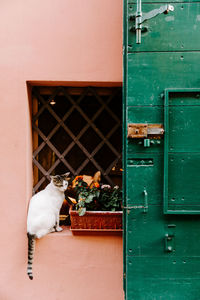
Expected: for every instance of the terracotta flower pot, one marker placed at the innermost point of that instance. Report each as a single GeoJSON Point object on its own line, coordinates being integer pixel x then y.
{"type": "Point", "coordinates": [96, 220]}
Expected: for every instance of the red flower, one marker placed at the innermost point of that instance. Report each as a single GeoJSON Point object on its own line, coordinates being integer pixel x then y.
{"type": "Point", "coordinates": [79, 177]}
{"type": "Point", "coordinates": [95, 184]}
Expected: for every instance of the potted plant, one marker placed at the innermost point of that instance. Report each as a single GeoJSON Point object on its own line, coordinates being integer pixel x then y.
{"type": "Point", "coordinates": [98, 207]}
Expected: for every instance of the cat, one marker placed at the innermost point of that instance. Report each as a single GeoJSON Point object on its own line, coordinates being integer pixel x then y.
{"type": "Point", "coordinates": [43, 213]}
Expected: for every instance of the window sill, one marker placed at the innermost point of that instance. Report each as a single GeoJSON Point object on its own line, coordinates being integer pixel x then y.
{"type": "Point", "coordinates": [67, 231]}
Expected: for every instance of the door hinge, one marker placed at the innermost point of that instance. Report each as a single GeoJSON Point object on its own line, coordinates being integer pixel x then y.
{"type": "Point", "coordinates": [140, 18]}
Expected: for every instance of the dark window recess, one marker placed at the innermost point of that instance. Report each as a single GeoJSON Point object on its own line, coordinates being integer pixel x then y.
{"type": "Point", "coordinates": [76, 129]}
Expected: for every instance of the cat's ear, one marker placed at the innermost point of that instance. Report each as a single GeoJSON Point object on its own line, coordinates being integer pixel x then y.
{"type": "Point", "coordinates": [66, 175]}
{"type": "Point", "coordinates": [52, 177]}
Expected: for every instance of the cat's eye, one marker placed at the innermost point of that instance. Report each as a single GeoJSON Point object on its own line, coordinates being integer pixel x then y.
{"type": "Point", "coordinates": [59, 185]}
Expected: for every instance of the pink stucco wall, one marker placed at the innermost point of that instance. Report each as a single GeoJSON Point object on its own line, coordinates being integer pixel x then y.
{"type": "Point", "coordinates": [64, 41]}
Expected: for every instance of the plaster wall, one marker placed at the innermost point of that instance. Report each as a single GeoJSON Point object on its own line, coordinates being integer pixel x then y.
{"type": "Point", "coordinates": [52, 42]}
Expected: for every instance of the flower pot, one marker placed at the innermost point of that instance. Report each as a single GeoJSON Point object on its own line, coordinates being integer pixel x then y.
{"type": "Point", "coordinates": [96, 220]}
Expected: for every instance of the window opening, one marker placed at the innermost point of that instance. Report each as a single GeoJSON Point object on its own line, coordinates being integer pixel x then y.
{"type": "Point", "coordinates": [77, 129]}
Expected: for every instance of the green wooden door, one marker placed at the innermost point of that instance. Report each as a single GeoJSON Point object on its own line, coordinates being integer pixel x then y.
{"type": "Point", "coordinates": [162, 168]}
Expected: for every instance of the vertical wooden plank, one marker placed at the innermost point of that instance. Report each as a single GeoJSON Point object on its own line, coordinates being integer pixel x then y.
{"type": "Point", "coordinates": [35, 141]}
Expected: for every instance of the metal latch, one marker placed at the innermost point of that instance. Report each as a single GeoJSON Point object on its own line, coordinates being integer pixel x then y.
{"type": "Point", "coordinates": [140, 18]}
{"type": "Point", "coordinates": [151, 133]}
{"type": "Point", "coordinates": [144, 207]}
{"type": "Point", "coordinates": [140, 130]}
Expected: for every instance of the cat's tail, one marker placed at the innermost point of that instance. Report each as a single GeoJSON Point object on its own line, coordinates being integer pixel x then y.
{"type": "Point", "coordinates": [31, 248]}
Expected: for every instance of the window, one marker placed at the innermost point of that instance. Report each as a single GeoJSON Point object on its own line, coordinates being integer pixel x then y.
{"type": "Point", "coordinates": [76, 129]}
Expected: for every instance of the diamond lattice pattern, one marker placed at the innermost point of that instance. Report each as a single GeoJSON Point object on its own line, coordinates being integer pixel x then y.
{"type": "Point", "coordinates": [76, 129]}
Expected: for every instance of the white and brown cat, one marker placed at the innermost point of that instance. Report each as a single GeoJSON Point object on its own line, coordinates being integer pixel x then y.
{"type": "Point", "coordinates": [43, 213]}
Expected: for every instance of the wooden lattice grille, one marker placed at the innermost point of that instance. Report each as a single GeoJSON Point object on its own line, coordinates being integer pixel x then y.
{"type": "Point", "coordinates": [76, 129]}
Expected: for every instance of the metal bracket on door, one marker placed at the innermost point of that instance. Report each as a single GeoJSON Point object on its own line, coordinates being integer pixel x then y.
{"type": "Point", "coordinates": [145, 207]}
{"type": "Point", "coordinates": [151, 133]}
{"type": "Point", "coordinates": [145, 201]}
{"type": "Point", "coordinates": [140, 18]}
{"type": "Point", "coordinates": [170, 238]}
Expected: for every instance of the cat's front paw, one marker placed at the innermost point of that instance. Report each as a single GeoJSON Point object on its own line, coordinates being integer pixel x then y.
{"type": "Point", "coordinates": [59, 228]}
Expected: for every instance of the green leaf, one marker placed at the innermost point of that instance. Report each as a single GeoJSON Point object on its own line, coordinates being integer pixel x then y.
{"type": "Point", "coordinates": [81, 196]}
{"type": "Point", "coordinates": [89, 198]}
{"type": "Point", "coordinates": [81, 211]}
{"type": "Point", "coordinates": [81, 204]}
